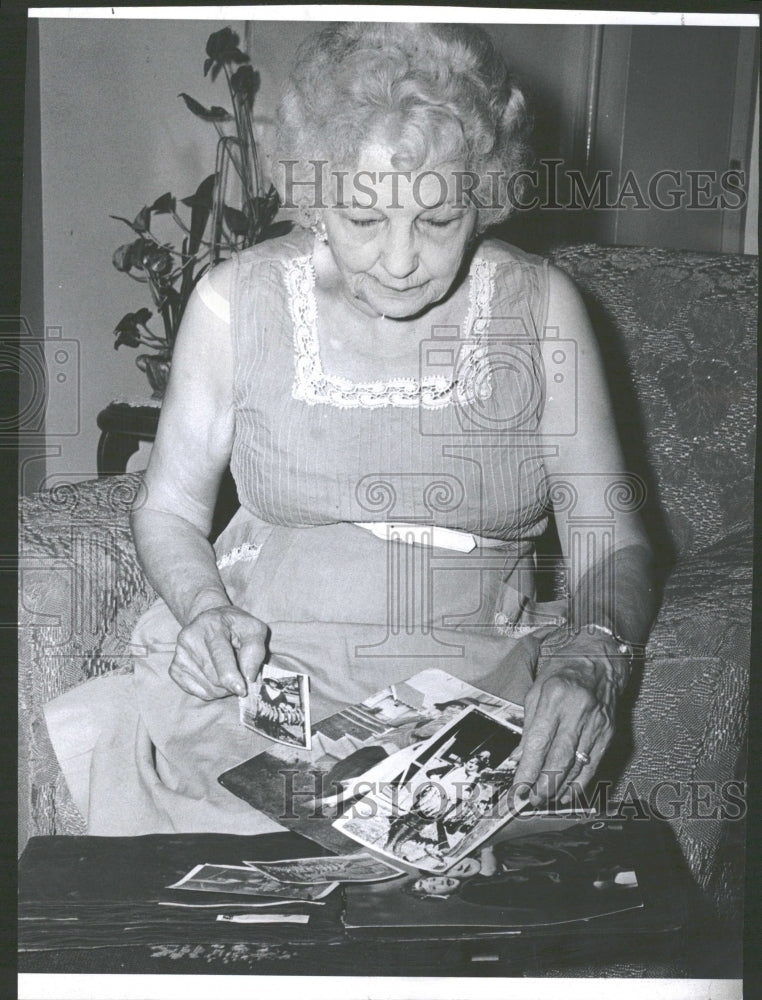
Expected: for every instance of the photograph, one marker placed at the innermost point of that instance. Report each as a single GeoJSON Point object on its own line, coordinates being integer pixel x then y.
{"type": "Point", "coordinates": [277, 705]}
{"type": "Point", "coordinates": [241, 880]}
{"type": "Point", "coordinates": [457, 792]}
{"type": "Point", "coordinates": [404, 358]}
{"type": "Point", "coordinates": [346, 868]}
{"type": "Point", "coordinates": [360, 748]}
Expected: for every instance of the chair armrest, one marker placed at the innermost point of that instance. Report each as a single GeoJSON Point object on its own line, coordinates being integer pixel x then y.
{"type": "Point", "coordinates": [688, 713]}
{"type": "Point", "coordinates": [707, 602]}
{"type": "Point", "coordinates": [81, 590]}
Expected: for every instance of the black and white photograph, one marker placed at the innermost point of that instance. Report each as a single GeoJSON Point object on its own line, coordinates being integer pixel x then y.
{"type": "Point", "coordinates": [447, 801]}
{"type": "Point", "coordinates": [387, 385]}
{"type": "Point", "coordinates": [277, 705]}
{"type": "Point", "coordinates": [357, 751]}
{"type": "Point", "coordinates": [243, 880]}
{"type": "Point", "coordinates": [347, 868]}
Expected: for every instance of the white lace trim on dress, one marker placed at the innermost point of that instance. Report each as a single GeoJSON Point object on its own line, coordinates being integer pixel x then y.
{"type": "Point", "coordinates": [313, 385]}
{"type": "Point", "coordinates": [247, 552]}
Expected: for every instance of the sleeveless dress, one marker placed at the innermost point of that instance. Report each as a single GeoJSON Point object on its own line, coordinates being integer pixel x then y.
{"type": "Point", "coordinates": [315, 455]}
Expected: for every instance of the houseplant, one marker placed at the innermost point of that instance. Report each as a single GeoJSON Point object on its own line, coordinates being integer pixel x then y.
{"type": "Point", "coordinates": [230, 210]}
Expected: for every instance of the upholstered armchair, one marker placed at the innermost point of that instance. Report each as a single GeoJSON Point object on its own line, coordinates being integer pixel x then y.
{"type": "Point", "coordinates": [678, 331]}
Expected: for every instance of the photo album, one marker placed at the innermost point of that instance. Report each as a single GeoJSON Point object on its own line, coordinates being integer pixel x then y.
{"type": "Point", "coordinates": [541, 872]}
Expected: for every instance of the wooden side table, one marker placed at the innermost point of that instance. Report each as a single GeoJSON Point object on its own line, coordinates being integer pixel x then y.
{"type": "Point", "coordinates": [112, 885]}
{"type": "Point", "coordinates": [123, 426]}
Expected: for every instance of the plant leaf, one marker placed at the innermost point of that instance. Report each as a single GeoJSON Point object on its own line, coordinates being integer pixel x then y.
{"type": "Point", "coordinates": [126, 329]}
{"type": "Point", "coordinates": [221, 49]}
{"type": "Point", "coordinates": [131, 320]}
{"type": "Point", "coordinates": [121, 218]}
{"type": "Point", "coordinates": [237, 222]}
{"type": "Point", "coordinates": [201, 204]}
{"type": "Point", "coordinates": [142, 222]}
{"type": "Point", "coordinates": [213, 114]}
{"type": "Point", "coordinates": [170, 298]}
{"type": "Point", "coordinates": [220, 41]}
{"type": "Point", "coordinates": [264, 209]}
{"type": "Point", "coordinates": [164, 204]}
{"type": "Point", "coordinates": [157, 261]}
{"type": "Point", "coordinates": [130, 255]}
{"type": "Point", "coordinates": [130, 338]}
{"type": "Point", "coordinates": [203, 195]}
{"type": "Point", "coordinates": [281, 228]}
{"type": "Point", "coordinates": [123, 258]}
{"type": "Point", "coordinates": [222, 46]}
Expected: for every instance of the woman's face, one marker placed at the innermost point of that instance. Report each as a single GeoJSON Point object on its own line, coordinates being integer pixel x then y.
{"type": "Point", "coordinates": [399, 239]}
{"type": "Point", "coordinates": [437, 885]}
{"type": "Point", "coordinates": [472, 765]}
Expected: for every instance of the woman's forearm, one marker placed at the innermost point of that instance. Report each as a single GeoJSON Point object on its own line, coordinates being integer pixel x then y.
{"type": "Point", "coordinates": [618, 593]}
{"type": "Point", "coordinates": [179, 563]}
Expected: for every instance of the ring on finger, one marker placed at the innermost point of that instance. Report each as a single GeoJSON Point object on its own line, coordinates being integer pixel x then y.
{"type": "Point", "coordinates": [582, 757]}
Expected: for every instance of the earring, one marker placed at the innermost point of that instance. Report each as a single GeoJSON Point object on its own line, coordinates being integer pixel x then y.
{"type": "Point", "coordinates": [319, 230]}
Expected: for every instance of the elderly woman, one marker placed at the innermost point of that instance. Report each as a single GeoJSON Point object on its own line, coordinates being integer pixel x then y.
{"type": "Point", "coordinates": [400, 400]}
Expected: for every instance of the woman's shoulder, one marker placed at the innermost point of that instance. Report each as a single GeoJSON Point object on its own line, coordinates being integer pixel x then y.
{"type": "Point", "coordinates": [518, 277]}
{"type": "Point", "coordinates": [296, 243]}
{"type": "Point", "coordinates": [278, 250]}
{"type": "Point", "coordinates": [506, 255]}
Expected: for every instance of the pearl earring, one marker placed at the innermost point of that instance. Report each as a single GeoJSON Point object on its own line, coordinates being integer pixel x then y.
{"type": "Point", "coordinates": [319, 230]}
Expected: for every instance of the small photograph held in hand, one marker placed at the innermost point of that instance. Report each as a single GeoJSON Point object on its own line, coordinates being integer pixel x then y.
{"type": "Point", "coordinates": [277, 706]}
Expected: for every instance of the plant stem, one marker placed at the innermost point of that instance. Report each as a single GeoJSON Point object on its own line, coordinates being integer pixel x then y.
{"type": "Point", "coordinates": [181, 224]}
{"type": "Point", "coordinates": [155, 342]}
{"type": "Point", "coordinates": [241, 115]}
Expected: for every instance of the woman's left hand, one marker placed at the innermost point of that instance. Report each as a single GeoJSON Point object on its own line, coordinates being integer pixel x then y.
{"type": "Point", "coordinates": [569, 712]}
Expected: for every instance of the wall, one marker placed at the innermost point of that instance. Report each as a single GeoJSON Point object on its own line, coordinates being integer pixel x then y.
{"type": "Point", "coordinates": [751, 237]}
{"type": "Point", "coordinates": [114, 136]}
{"type": "Point", "coordinates": [32, 382]}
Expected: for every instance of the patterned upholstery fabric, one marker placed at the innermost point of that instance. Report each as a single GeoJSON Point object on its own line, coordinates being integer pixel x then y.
{"type": "Point", "coordinates": [678, 333]}
{"type": "Point", "coordinates": [81, 590]}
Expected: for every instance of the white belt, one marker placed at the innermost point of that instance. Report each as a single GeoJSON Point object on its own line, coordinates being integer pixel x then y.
{"type": "Point", "coordinates": [426, 534]}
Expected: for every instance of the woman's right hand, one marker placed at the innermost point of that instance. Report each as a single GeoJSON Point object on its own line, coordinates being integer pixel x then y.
{"type": "Point", "coordinates": [219, 653]}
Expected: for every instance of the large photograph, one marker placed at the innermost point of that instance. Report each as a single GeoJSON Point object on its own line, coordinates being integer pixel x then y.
{"type": "Point", "coordinates": [447, 801]}
{"type": "Point", "coordinates": [388, 415]}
